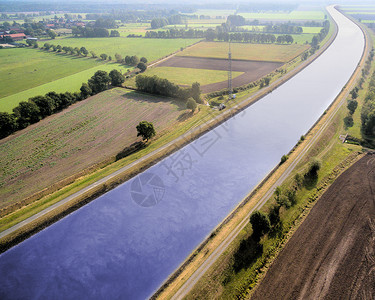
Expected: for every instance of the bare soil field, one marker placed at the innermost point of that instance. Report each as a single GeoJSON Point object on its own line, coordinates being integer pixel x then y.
{"type": "Point", "coordinates": [84, 135]}
{"type": "Point", "coordinates": [332, 254]}
{"type": "Point", "coordinates": [253, 70]}
{"type": "Point", "coordinates": [243, 51]}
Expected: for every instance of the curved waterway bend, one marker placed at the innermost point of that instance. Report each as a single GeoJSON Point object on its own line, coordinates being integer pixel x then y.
{"type": "Point", "coordinates": [123, 246]}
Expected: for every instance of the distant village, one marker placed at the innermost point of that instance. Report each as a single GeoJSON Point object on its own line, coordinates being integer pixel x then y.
{"type": "Point", "coordinates": [12, 32]}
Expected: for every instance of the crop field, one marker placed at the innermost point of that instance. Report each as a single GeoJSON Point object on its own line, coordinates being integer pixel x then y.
{"type": "Point", "coordinates": [77, 138]}
{"type": "Point", "coordinates": [257, 52]}
{"type": "Point", "coordinates": [22, 69]}
{"type": "Point", "coordinates": [293, 15]}
{"type": "Point", "coordinates": [187, 76]}
{"type": "Point", "coordinates": [249, 70]}
{"type": "Point", "coordinates": [152, 49]}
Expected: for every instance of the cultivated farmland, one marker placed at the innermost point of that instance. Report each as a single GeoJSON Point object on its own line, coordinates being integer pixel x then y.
{"type": "Point", "coordinates": [185, 75]}
{"type": "Point", "coordinates": [242, 51]}
{"type": "Point", "coordinates": [249, 70]}
{"type": "Point", "coordinates": [85, 134]}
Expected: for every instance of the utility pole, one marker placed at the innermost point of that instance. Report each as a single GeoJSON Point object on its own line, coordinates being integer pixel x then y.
{"type": "Point", "coordinates": [230, 91]}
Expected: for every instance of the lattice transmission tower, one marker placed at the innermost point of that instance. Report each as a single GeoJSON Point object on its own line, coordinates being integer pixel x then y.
{"type": "Point", "coordinates": [230, 90]}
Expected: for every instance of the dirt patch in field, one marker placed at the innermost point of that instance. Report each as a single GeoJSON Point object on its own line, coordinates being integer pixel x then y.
{"type": "Point", "coordinates": [253, 70]}
{"type": "Point", "coordinates": [332, 254]}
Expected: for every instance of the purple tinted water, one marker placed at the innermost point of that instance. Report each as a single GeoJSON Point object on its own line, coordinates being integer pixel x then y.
{"type": "Point", "coordinates": [124, 245]}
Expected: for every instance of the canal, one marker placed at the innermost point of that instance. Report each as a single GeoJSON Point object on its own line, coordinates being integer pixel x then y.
{"type": "Point", "coordinates": [126, 243]}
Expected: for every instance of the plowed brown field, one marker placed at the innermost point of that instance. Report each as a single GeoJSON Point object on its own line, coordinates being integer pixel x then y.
{"type": "Point", "coordinates": [332, 254]}
{"type": "Point", "coordinates": [253, 70]}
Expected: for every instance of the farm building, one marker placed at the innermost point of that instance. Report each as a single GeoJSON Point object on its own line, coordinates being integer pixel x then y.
{"type": "Point", "coordinates": [15, 36]}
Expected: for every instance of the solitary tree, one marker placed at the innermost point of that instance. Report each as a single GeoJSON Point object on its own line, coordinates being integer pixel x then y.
{"type": "Point", "coordinates": [196, 92]}
{"type": "Point", "coordinates": [103, 56]}
{"type": "Point", "coordinates": [116, 77]}
{"type": "Point", "coordinates": [146, 130]}
{"type": "Point", "coordinates": [191, 104]}
{"type": "Point", "coordinates": [144, 60]}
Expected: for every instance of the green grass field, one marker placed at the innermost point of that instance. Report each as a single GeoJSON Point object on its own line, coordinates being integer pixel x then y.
{"type": "Point", "coordinates": [22, 69]}
{"type": "Point", "coordinates": [29, 72]}
{"type": "Point", "coordinates": [70, 83]}
{"type": "Point", "coordinates": [133, 28]}
{"type": "Point", "coordinates": [258, 52]}
{"type": "Point", "coordinates": [152, 49]}
{"type": "Point", "coordinates": [294, 15]}
{"type": "Point", "coordinates": [301, 38]}
{"type": "Point", "coordinates": [186, 76]}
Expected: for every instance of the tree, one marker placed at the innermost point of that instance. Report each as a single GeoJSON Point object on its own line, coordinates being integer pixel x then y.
{"type": "Point", "coordinates": [196, 92]}
{"type": "Point", "coordinates": [27, 113]}
{"type": "Point", "coordinates": [103, 56]}
{"type": "Point", "coordinates": [118, 58]}
{"type": "Point", "coordinates": [134, 60]}
{"type": "Point", "coordinates": [85, 90]}
{"type": "Point", "coordinates": [352, 106]}
{"type": "Point", "coordinates": [114, 33]}
{"type": "Point", "coordinates": [46, 105]}
{"type": "Point", "coordinates": [127, 60]}
{"type": "Point", "coordinates": [144, 60]}
{"type": "Point", "coordinates": [99, 82]}
{"type": "Point", "coordinates": [8, 124]}
{"type": "Point", "coordinates": [145, 130]}
{"type": "Point", "coordinates": [314, 167]}
{"type": "Point", "coordinates": [116, 77]}
{"type": "Point", "coordinates": [191, 104]}
{"type": "Point", "coordinates": [260, 224]}
{"type": "Point", "coordinates": [84, 51]}
{"type": "Point", "coordinates": [142, 66]}
{"type": "Point", "coordinates": [93, 54]}
{"type": "Point", "coordinates": [52, 34]}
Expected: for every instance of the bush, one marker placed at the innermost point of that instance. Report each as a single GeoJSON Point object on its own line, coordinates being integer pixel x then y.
{"type": "Point", "coordinates": [348, 121]}
{"type": "Point", "coordinates": [283, 159]}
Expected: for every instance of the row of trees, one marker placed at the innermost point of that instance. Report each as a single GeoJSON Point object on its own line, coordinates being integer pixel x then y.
{"type": "Point", "coordinates": [210, 34]}
{"type": "Point", "coordinates": [368, 110]}
{"type": "Point", "coordinates": [93, 32]}
{"type": "Point", "coordinates": [161, 22]}
{"type": "Point", "coordinates": [39, 107]}
{"type": "Point", "coordinates": [128, 60]}
{"type": "Point", "coordinates": [283, 28]}
{"type": "Point", "coordinates": [263, 223]}
{"type": "Point", "coordinates": [159, 86]}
